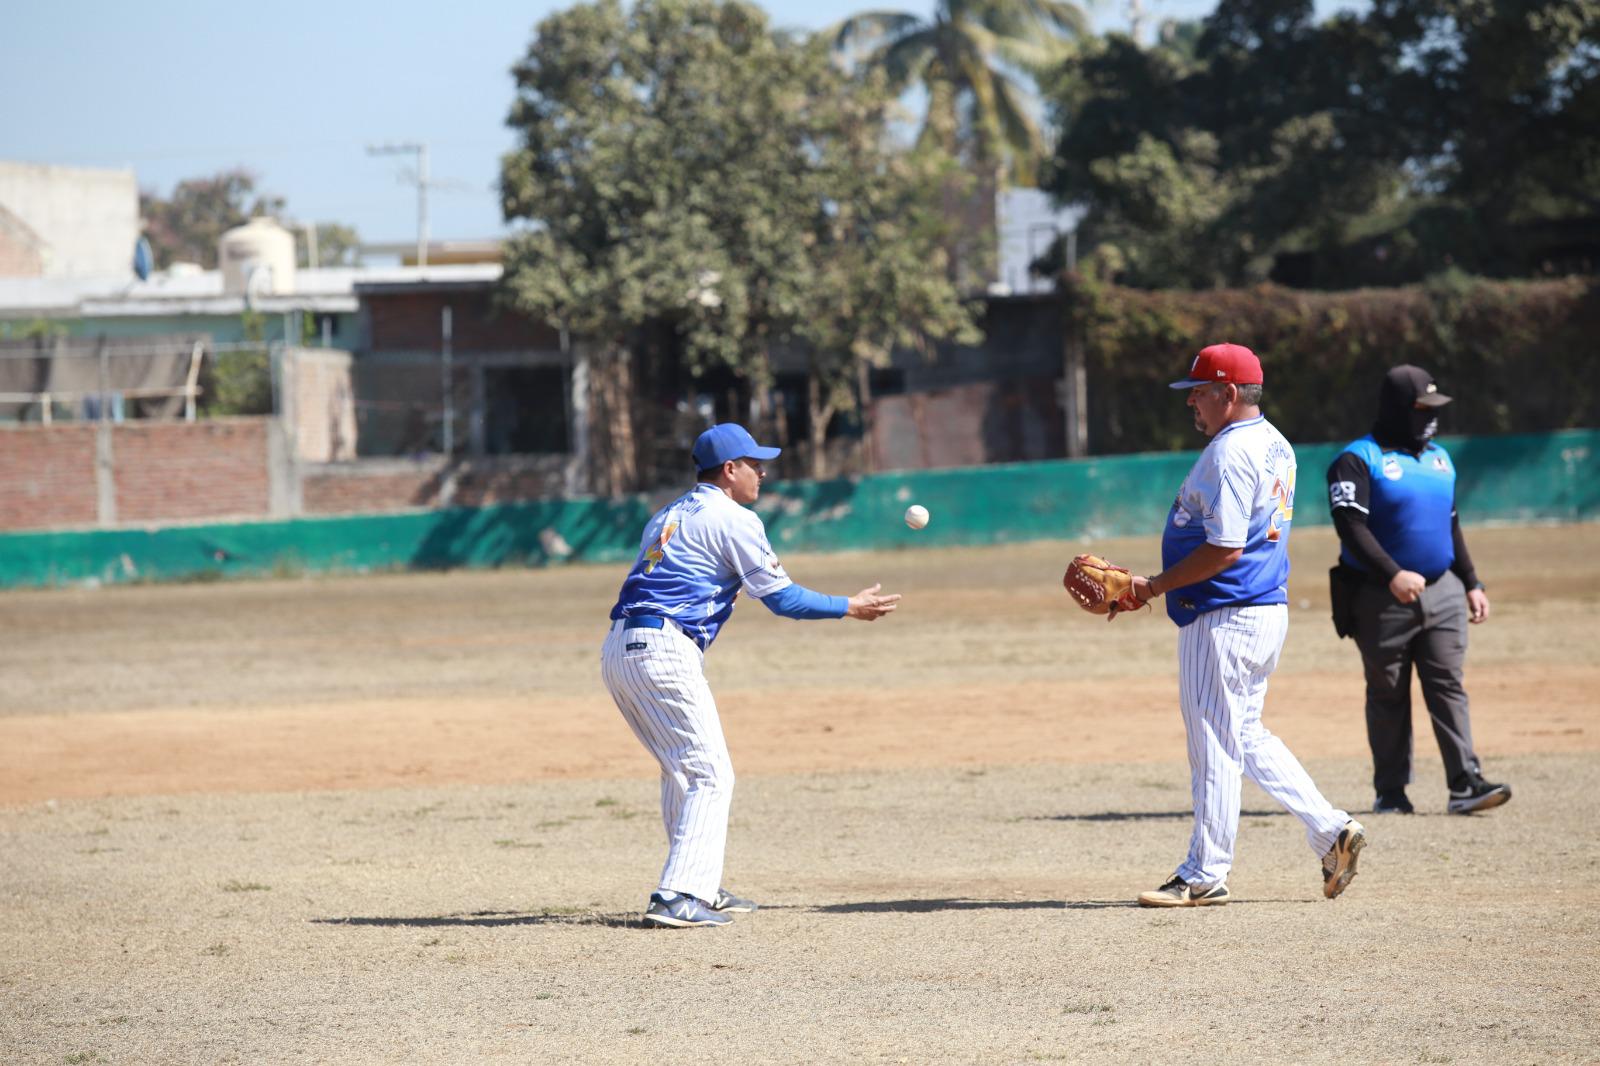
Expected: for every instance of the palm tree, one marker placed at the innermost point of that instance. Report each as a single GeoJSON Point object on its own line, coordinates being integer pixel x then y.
{"type": "Point", "coordinates": [968, 58]}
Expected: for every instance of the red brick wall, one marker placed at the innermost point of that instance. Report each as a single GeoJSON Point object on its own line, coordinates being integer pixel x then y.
{"type": "Point", "coordinates": [412, 322]}
{"type": "Point", "coordinates": [374, 486]}
{"type": "Point", "coordinates": [181, 470]}
{"type": "Point", "coordinates": [367, 493]}
{"type": "Point", "coordinates": [47, 477]}
{"type": "Point", "coordinates": [177, 471]}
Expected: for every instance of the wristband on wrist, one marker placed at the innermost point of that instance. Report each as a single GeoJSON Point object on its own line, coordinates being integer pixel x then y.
{"type": "Point", "coordinates": [1151, 582]}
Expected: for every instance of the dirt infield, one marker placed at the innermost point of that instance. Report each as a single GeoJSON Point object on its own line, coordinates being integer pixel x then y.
{"type": "Point", "coordinates": [395, 819]}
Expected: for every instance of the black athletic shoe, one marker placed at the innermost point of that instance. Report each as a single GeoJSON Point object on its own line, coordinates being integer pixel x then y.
{"type": "Point", "coordinates": [1179, 893]}
{"type": "Point", "coordinates": [1478, 795]}
{"type": "Point", "coordinates": [1394, 801]}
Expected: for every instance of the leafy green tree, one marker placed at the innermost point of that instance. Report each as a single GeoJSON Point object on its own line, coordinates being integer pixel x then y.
{"type": "Point", "coordinates": [1368, 149]}
{"type": "Point", "coordinates": [239, 381]}
{"type": "Point", "coordinates": [975, 59]}
{"type": "Point", "coordinates": [1200, 165]}
{"type": "Point", "coordinates": [1500, 105]}
{"type": "Point", "coordinates": [338, 245]}
{"type": "Point", "coordinates": [186, 226]}
{"type": "Point", "coordinates": [689, 174]}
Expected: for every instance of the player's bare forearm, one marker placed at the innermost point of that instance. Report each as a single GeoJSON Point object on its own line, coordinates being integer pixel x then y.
{"type": "Point", "coordinates": [1206, 561]}
{"type": "Point", "coordinates": [868, 605]}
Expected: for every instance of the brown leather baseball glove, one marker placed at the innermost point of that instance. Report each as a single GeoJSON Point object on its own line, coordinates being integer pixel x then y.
{"type": "Point", "coordinates": [1099, 586]}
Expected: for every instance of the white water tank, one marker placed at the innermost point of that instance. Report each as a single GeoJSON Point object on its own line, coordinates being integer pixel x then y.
{"type": "Point", "coordinates": [259, 257]}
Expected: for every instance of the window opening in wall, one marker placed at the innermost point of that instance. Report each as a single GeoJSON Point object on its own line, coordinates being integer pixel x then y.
{"type": "Point", "coordinates": [525, 410]}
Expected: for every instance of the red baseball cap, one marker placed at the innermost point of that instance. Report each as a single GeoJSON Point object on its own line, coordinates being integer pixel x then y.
{"type": "Point", "coordinates": [1231, 364]}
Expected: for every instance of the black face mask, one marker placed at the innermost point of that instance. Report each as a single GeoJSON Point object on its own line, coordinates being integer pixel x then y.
{"type": "Point", "coordinates": [1424, 424]}
{"type": "Point", "coordinates": [1401, 423]}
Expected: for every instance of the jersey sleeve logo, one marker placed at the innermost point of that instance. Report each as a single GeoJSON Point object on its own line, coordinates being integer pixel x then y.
{"type": "Point", "coordinates": [658, 550]}
{"type": "Point", "coordinates": [1283, 511]}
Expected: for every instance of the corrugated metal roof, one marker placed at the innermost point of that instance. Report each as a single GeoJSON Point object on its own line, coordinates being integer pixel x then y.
{"type": "Point", "coordinates": [331, 289]}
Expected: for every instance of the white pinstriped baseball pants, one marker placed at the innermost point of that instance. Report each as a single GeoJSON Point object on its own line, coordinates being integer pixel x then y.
{"type": "Point", "coordinates": [1224, 660]}
{"type": "Point", "coordinates": [657, 678]}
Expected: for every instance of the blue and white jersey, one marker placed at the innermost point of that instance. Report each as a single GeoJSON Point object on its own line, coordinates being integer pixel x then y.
{"type": "Point", "coordinates": [695, 555]}
{"type": "Point", "coordinates": [1238, 494]}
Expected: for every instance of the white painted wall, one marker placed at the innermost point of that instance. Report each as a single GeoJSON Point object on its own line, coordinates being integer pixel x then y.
{"type": "Point", "coordinates": [88, 219]}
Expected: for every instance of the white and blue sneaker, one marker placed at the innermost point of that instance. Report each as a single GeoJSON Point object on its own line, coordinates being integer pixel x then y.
{"type": "Point", "coordinates": [678, 911]}
{"type": "Point", "coordinates": [727, 901]}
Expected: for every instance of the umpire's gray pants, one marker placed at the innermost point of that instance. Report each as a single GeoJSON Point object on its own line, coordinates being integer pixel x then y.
{"type": "Point", "coordinates": [1432, 634]}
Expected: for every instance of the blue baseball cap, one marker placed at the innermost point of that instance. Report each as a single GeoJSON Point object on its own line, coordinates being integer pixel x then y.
{"type": "Point", "coordinates": [725, 441]}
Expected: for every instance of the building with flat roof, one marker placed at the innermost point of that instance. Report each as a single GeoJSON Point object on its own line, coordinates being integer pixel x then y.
{"type": "Point", "coordinates": [322, 308]}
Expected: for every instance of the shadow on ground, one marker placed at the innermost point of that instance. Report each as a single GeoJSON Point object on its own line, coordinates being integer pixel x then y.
{"type": "Point", "coordinates": [925, 906]}
{"type": "Point", "coordinates": [1139, 816]}
{"type": "Point", "coordinates": [489, 919]}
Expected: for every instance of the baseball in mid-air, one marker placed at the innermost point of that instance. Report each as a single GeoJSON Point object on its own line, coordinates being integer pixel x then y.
{"type": "Point", "coordinates": [916, 516]}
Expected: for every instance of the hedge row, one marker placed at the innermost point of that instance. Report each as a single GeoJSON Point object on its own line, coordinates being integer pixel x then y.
{"type": "Point", "coordinates": [1518, 357]}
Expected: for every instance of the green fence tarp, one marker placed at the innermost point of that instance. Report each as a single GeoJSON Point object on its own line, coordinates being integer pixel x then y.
{"type": "Point", "coordinates": [1528, 478]}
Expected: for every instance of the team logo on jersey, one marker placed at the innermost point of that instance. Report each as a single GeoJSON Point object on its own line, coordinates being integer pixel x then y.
{"type": "Point", "coordinates": [1341, 493]}
{"type": "Point", "coordinates": [1283, 512]}
{"type": "Point", "coordinates": [1180, 514]}
{"type": "Point", "coordinates": [654, 554]}
{"type": "Point", "coordinates": [1441, 464]}
{"type": "Point", "coordinates": [1391, 468]}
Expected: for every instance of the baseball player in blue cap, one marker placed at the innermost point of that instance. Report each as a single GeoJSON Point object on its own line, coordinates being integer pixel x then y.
{"type": "Point", "coordinates": [695, 556]}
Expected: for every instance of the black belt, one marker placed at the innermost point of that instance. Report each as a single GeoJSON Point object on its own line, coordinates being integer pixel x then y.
{"type": "Point", "coordinates": [655, 621]}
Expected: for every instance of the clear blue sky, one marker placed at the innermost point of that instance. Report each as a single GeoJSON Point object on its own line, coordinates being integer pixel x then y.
{"type": "Point", "coordinates": [295, 90]}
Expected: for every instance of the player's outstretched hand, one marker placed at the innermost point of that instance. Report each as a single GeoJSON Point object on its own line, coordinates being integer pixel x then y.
{"type": "Point", "coordinates": [868, 606]}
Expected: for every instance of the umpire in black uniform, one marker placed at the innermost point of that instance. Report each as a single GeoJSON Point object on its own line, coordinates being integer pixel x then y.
{"type": "Point", "coordinates": [1405, 588]}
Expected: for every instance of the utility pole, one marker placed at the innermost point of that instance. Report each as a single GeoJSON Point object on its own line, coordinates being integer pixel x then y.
{"type": "Point", "coordinates": [310, 230]}
{"type": "Point", "coordinates": [418, 178]}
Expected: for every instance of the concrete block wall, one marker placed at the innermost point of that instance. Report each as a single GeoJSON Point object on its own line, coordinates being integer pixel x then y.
{"type": "Point", "coordinates": [87, 219]}
{"type": "Point", "coordinates": [320, 402]}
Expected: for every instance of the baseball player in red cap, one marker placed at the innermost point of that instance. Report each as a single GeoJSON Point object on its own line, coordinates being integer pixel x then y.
{"type": "Point", "coordinates": [1225, 553]}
